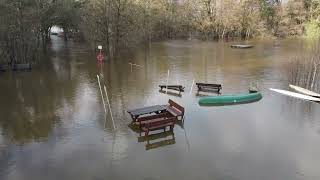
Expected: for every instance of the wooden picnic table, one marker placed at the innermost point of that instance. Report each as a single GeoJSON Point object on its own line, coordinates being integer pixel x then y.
{"type": "Point", "coordinates": [135, 113]}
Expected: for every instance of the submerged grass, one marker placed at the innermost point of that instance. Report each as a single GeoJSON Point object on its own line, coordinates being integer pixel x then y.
{"type": "Point", "coordinates": [303, 70]}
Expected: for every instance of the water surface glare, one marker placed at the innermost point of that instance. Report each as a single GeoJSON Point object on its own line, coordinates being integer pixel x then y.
{"type": "Point", "coordinates": [53, 125]}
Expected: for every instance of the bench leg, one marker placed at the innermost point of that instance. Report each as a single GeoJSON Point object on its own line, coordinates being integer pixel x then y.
{"type": "Point", "coordinates": [134, 118]}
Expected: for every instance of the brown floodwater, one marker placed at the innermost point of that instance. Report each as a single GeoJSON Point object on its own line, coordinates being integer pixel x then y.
{"type": "Point", "coordinates": [53, 125]}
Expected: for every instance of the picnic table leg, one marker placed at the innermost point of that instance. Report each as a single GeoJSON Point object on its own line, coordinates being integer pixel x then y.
{"type": "Point", "coordinates": [148, 141]}
{"type": "Point", "coordinates": [171, 127]}
{"type": "Point", "coordinates": [134, 118]}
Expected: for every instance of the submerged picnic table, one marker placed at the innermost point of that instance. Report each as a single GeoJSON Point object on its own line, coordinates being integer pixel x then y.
{"type": "Point", "coordinates": [135, 113]}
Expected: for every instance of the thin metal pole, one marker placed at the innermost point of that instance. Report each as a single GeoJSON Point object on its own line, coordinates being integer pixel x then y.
{"type": "Point", "coordinates": [105, 90]}
{"type": "Point", "coordinates": [131, 66]}
{"type": "Point", "coordinates": [191, 87]}
{"type": "Point", "coordinates": [104, 105]}
{"type": "Point", "coordinates": [167, 81]}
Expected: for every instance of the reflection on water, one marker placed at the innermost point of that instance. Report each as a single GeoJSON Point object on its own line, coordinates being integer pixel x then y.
{"type": "Point", "coordinates": [53, 125]}
{"type": "Point", "coordinates": [160, 139]}
{"type": "Point", "coordinates": [157, 139]}
{"type": "Point", "coordinates": [171, 93]}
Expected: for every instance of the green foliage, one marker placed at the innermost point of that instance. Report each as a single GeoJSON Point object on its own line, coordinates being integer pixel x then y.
{"type": "Point", "coordinates": [25, 26]}
{"type": "Point", "coordinates": [312, 29]}
{"type": "Point", "coordinates": [121, 24]}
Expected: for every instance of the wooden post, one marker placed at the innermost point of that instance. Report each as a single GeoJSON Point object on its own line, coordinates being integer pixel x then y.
{"type": "Point", "coordinates": [105, 90]}
{"type": "Point", "coordinates": [104, 105]}
{"type": "Point", "coordinates": [130, 66]}
{"type": "Point", "coordinates": [191, 87]}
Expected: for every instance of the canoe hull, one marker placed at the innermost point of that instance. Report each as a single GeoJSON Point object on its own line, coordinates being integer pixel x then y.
{"type": "Point", "coordinates": [304, 91]}
{"type": "Point", "coordinates": [241, 46]}
{"type": "Point", "coordinates": [230, 99]}
{"type": "Point", "coordinates": [296, 95]}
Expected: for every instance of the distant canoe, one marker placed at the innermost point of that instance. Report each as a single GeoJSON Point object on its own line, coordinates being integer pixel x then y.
{"type": "Point", "coordinates": [230, 99]}
{"type": "Point", "coordinates": [304, 91]}
{"type": "Point", "coordinates": [241, 46]}
{"type": "Point", "coordinates": [21, 67]}
{"type": "Point", "coordinates": [296, 95]}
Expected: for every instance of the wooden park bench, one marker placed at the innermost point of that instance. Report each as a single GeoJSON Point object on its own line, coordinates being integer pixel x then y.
{"type": "Point", "coordinates": [172, 87]}
{"type": "Point", "coordinates": [209, 87]}
{"type": "Point", "coordinates": [175, 109]}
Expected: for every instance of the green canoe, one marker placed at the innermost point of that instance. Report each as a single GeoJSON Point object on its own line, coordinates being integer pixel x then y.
{"type": "Point", "coordinates": [230, 99]}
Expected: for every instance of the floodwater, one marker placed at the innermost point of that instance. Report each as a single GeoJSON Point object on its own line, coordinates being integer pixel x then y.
{"type": "Point", "coordinates": [53, 125]}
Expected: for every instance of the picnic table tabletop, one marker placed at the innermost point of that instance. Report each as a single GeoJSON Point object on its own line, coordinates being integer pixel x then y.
{"type": "Point", "coordinates": [147, 110]}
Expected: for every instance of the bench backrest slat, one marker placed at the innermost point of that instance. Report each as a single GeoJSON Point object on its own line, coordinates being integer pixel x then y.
{"type": "Point", "coordinates": [177, 106]}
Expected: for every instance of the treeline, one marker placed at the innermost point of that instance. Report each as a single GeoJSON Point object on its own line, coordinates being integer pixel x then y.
{"type": "Point", "coordinates": [122, 24]}
{"type": "Point", "coordinates": [25, 26]}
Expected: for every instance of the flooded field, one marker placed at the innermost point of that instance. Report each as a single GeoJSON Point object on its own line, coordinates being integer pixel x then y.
{"type": "Point", "coordinates": [53, 125]}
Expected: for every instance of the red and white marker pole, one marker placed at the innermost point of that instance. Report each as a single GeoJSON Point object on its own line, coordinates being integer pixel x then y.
{"type": "Point", "coordinates": [100, 56]}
